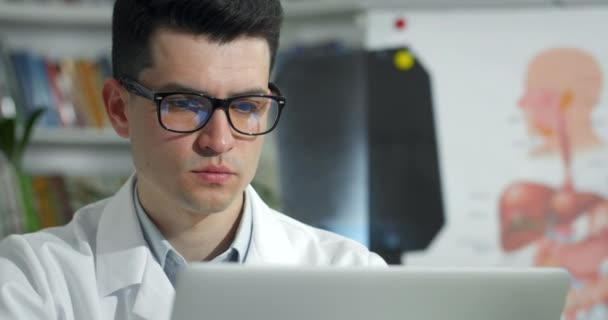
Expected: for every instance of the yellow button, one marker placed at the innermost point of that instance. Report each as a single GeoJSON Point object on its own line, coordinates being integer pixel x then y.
{"type": "Point", "coordinates": [404, 60]}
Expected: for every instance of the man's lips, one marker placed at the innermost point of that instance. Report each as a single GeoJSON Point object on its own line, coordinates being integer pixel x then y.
{"type": "Point", "coordinates": [214, 174]}
{"type": "Point", "coordinates": [214, 169]}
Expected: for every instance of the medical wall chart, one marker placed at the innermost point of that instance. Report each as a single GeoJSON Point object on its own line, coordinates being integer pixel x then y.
{"type": "Point", "coordinates": [522, 124]}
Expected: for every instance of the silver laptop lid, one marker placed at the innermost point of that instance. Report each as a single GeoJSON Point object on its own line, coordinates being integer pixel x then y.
{"type": "Point", "coordinates": [233, 292]}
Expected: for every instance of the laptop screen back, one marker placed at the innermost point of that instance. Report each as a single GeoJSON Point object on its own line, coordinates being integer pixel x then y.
{"type": "Point", "coordinates": [227, 292]}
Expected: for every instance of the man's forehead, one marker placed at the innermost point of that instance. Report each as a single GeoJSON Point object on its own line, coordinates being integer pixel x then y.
{"type": "Point", "coordinates": [163, 35]}
{"type": "Point", "coordinates": [182, 60]}
{"type": "Point", "coordinates": [179, 47]}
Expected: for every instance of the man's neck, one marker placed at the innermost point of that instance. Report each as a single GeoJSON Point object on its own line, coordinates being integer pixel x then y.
{"type": "Point", "coordinates": [197, 237]}
{"type": "Point", "coordinates": [209, 238]}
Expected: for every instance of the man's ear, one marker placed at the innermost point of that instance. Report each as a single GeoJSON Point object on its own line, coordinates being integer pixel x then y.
{"type": "Point", "coordinates": [115, 99]}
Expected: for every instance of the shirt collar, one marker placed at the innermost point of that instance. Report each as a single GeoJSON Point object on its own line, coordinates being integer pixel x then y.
{"type": "Point", "coordinates": [163, 250]}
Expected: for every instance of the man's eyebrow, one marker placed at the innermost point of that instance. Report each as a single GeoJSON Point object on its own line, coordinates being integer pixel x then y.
{"type": "Point", "coordinates": [253, 91]}
{"type": "Point", "coordinates": [179, 87]}
{"type": "Point", "coordinates": [174, 86]}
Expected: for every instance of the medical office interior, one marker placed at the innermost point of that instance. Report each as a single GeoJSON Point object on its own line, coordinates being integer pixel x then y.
{"type": "Point", "coordinates": [436, 132]}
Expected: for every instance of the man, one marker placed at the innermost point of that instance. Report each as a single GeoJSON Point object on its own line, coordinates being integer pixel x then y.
{"type": "Point", "coordinates": [190, 90]}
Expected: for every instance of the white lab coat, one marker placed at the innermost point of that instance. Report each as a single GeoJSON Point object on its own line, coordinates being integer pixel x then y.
{"type": "Point", "coordinates": [99, 267]}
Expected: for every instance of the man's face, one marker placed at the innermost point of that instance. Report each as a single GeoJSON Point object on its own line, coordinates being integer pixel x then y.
{"type": "Point", "coordinates": [187, 171]}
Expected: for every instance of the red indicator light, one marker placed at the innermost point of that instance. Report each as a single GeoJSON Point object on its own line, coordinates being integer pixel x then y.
{"type": "Point", "coordinates": [400, 24]}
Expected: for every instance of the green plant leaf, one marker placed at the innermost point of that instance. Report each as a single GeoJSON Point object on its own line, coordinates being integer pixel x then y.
{"type": "Point", "coordinates": [8, 142]}
{"type": "Point", "coordinates": [29, 125]}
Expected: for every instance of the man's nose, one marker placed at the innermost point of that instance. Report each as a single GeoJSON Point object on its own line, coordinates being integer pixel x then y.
{"type": "Point", "coordinates": [217, 135]}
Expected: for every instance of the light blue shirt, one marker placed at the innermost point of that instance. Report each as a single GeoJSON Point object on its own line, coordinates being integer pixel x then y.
{"type": "Point", "coordinates": [171, 261]}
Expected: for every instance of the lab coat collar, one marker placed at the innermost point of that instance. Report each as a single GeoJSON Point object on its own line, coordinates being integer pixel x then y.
{"type": "Point", "coordinates": [270, 243]}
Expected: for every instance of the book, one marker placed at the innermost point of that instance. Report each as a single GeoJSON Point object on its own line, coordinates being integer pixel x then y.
{"type": "Point", "coordinates": [88, 76]}
{"type": "Point", "coordinates": [41, 92]}
{"type": "Point", "coordinates": [62, 199]}
{"type": "Point", "coordinates": [20, 65]}
{"type": "Point", "coordinates": [61, 91]}
{"type": "Point", "coordinates": [45, 205]}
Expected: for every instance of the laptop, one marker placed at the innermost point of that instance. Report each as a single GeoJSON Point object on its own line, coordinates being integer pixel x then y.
{"type": "Point", "coordinates": [233, 292]}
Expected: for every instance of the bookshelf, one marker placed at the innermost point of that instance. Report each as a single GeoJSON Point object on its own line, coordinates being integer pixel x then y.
{"type": "Point", "coordinates": [59, 30]}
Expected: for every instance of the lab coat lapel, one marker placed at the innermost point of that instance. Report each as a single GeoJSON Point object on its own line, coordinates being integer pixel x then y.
{"type": "Point", "coordinates": [121, 252]}
{"type": "Point", "coordinates": [270, 243]}
{"type": "Point", "coordinates": [124, 260]}
{"type": "Point", "coordinates": [155, 296]}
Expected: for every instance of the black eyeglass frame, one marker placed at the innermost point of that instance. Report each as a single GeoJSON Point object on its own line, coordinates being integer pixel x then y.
{"type": "Point", "coordinates": [157, 97]}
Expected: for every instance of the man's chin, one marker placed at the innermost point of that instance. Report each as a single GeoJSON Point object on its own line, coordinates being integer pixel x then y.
{"type": "Point", "coordinates": [211, 201]}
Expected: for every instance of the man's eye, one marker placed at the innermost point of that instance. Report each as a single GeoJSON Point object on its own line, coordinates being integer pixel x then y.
{"type": "Point", "coordinates": [186, 104]}
{"type": "Point", "coordinates": [244, 107]}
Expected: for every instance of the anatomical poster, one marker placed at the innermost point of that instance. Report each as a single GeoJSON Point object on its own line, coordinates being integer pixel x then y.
{"type": "Point", "coordinates": [521, 111]}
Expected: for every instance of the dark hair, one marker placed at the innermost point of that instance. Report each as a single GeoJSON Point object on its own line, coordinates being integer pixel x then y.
{"type": "Point", "coordinates": [222, 21]}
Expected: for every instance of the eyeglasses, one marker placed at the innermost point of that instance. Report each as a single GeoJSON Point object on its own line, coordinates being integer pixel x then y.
{"type": "Point", "coordinates": [186, 112]}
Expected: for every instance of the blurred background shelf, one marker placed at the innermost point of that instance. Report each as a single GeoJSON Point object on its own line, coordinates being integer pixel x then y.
{"type": "Point", "coordinates": [56, 14]}
{"type": "Point", "coordinates": [78, 152]}
{"type": "Point", "coordinates": [77, 136]}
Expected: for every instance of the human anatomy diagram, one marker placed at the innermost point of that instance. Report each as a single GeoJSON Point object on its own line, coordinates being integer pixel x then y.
{"type": "Point", "coordinates": [567, 225]}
